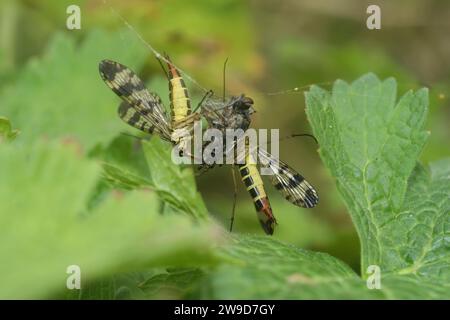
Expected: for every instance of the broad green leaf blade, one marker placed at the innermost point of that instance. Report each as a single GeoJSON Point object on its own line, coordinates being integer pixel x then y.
{"type": "Point", "coordinates": [371, 144]}
{"type": "Point", "coordinates": [411, 286]}
{"type": "Point", "coordinates": [62, 94]}
{"type": "Point", "coordinates": [124, 163]}
{"type": "Point", "coordinates": [262, 268]}
{"type": "Point", "coordinates": [117, 177]}
{"type": "Point", "coordinates": [417, 240]}
{"type": "Point", "coordinates": [173, 284]}
{"type": "Point", "coordinates": [43, 229]}
{"type": "Point", "coordinates": [117, 287]}
{"type": "Point", "coordinates": [174, 184]}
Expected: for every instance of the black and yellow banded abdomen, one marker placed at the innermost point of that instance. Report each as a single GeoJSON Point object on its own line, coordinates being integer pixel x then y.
{"type": "Point", "coordinates": [253, 182]}
{"type": "Point", "coordinates": [180, 103]}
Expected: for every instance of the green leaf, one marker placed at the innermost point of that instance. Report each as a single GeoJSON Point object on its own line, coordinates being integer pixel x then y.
{"type": "Point", "coordinates": [417, 240]}
{"type": "Point", "coordinates": [6, 131]}
{"type": "Point", "coordinates": [124, 163]}
{"type": "Point", "coordinates": [174, 184]}
{"type": "Point", "coordinates": [258, 267]}
{"type": "Point", "coordinates": [62, 94]}
{"type": "Point", "coordinates": [371, 144]}
{"type": "Point", "coordinates": [148, 164]}
{"type": "Point", "coordinates": [44, 229]}
{"type": "Point", "coordinates": [173, 284]}
{"type": "Point", "coordinates": [119, 286]}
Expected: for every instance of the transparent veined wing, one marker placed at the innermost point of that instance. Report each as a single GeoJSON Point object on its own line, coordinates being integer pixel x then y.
{"type": "Point", "coordinates": [129, 114]}
{"type": "Point", "coordinates": [140, 108]}
{"type": "Point", "coordinates": [289, 182]}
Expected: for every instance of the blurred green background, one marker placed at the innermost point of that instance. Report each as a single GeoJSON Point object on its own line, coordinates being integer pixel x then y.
{"type": "Point", "coordinates": [272, 46]}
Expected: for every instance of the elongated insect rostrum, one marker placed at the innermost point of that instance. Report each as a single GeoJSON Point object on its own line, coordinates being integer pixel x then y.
{"type": "Point", "coordinates": [144, 110]}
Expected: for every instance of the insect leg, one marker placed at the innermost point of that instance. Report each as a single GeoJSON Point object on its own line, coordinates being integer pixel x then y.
{"type": "Point", "coordinates": [234, 198]}
{"type": "Point", "coordinates": [224, 69]}
{"type": "Point", "coordinates": [208, 94]}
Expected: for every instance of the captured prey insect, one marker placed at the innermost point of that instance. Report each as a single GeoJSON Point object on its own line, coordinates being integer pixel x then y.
{"type": "Point", "coordinates": [144, 110]}
{"type": "Point", "coordinates": [235, 114]}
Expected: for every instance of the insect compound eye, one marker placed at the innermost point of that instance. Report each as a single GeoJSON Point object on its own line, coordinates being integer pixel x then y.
{"type": "Point", "coordinates": [248, 102]}
{"type": "Point", "coordinates": [244, 103]}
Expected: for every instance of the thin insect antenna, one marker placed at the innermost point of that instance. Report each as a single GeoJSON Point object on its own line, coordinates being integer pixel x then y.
{"type": "Point", "coordinates": [304, 135]}
{"type": "Point", "coordinates": [297, 135]}
{"type": "Point", "coordinates": [149, 46]}
{"type": "Point", "coordinates": [297, 89]}
{"type": "Point", "coordinates": [224, 69]}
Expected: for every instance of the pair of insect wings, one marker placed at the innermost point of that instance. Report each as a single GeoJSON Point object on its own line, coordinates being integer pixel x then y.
{"type": "Point", "coordinates": [144, 110]}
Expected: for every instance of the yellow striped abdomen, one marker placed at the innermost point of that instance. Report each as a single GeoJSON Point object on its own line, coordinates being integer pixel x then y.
{"type": "Point", "coordinates": [253, 182]}
{"type": "Point", "coordinates": [180, 103]}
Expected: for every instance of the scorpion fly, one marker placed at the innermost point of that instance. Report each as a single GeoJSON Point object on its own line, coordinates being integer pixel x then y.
{"type": "Point", "coordinates": [235, 114]}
